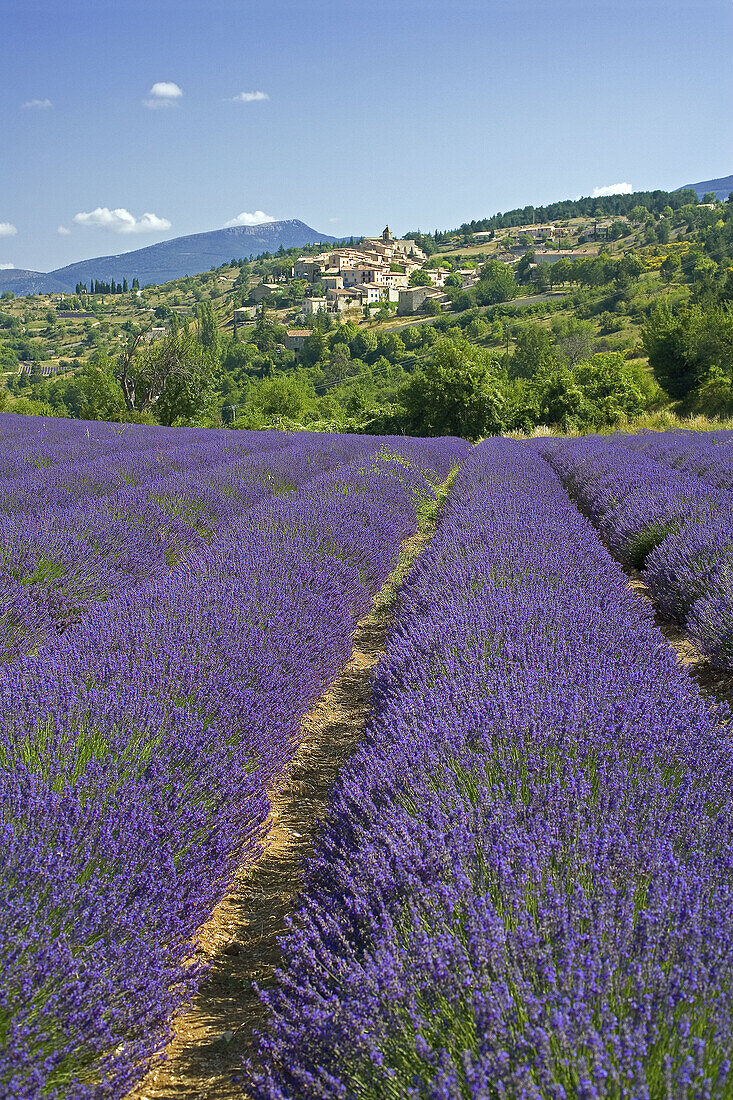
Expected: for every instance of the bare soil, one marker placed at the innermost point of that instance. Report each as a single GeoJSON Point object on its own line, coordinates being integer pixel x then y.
{"type": "Point", "coordinates": [214, 1035]}
{"type": "Point", "coordinates": [713, 682]}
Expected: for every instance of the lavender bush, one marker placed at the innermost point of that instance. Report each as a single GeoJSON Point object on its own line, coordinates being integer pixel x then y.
{"type": "Point", "coordinates": [677, 525]}
{"type": "Point", "coordinates": [137, 745]}
{"type": "Point", "coordinates": [707, 455]}
{"type": "Point", "coordinates": [523, 887]}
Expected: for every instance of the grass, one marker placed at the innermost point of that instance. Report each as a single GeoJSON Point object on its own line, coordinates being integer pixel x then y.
{"type": "Point", "coordinates": [661, 420]}
{"type": "Point", "coordinates": [427, 519]}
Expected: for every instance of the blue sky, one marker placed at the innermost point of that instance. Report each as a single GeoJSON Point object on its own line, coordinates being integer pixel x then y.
{"type": "Point", "coordinates": [420, 113]}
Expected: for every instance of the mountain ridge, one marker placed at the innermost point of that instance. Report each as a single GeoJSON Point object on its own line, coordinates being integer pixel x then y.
{"type": "Point", "coordinates": [171, 259]}
{"type": "Point", "coordinates": [720, 187]}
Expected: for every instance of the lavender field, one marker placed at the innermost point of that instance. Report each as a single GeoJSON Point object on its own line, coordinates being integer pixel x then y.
{"type": "Point", "coordinates": [523, 884]}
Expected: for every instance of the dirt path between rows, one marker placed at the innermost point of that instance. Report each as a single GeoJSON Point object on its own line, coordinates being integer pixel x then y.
{"type": "Point", "coordinates": [714, 682]}
{"type": "Point", "coordinates": [213, 1035]}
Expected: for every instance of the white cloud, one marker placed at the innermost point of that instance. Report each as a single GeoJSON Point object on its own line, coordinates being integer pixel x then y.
{"type": "Point", "coordinates": [37, 104]}
{"type": "Point", "coordinates": [121, 221]}
{"type": "Point", "coordinates": [63, 231]}
{"type": "Point", "coordinates": [7, 267]}
{"type": "Point", "coordinates": [612, 189]}
{"type": "Point", "coordinates": [258, 217]}
{"type": "Point", "coordinates": [164, 93]}
{"type": "Point", "coordinates": [248, 97]}
{"type": "Point", "coordinates": [333, 220]}
{"type": "Point", "coordinates": [7, 230]}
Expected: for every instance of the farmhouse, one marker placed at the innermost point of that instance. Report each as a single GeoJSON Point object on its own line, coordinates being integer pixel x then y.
{"type": "Point", "coordinates": [295, 339]}
{"type": "Point", "coordinates": [413, 298]}
{"type": "Point", "coordinates": [308, 267]}
{"type": "Point", "coordinates": [263, 290]}
{"type": "Point", "coordinates": [243, 313]}
{"type": "Point", "coordinates": [395, 279]}
{"type": "Point", "coordinates": [371, 293]}
{"type": "Point", "coordinates": [363, 273]}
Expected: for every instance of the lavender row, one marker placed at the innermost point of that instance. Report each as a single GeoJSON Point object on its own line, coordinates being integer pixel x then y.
{"type": "Point", "coordinates": [523, 887]}
{"type": "Point", "coordinates": [36, 446]}
{"type": "Point", "coordinates": [72, 478]}
{"type": "Point", "coordinates": [677, 527]}
{"type": "Point", "coordinates": [136, 757]}
{"type": "Point", "coordinates": [57, 566]}
{"type": "Point", "coordinates": [707, 455]}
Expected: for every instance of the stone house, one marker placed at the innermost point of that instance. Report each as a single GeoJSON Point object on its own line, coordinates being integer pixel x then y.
{"type": "Point", "coordinates": [263, 290]}
{"type": "Point", "coordinates": [313, 305]}
{"type": "Point", "coordinates": [332, 282]}
{"type": "Point", "coordinates": [413, 299]}
{"type": "Point", "coordinates": [371, 293]}
{"type": "Point", "coordinates": [295, 339]}
{"type": "Point", "coordinates": [344, 300]}
{"type": "Point", "coordinates": [309, 267]}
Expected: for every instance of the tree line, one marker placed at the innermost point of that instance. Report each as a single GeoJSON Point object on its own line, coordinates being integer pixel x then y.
{"type": "Point", "coordinates": [97, 286]}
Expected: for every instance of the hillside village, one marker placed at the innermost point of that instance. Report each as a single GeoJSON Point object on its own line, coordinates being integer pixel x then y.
{"type": "Point", "coordinates": [378, 270]}
{"type": "Point", "coordinates": [330, 335]}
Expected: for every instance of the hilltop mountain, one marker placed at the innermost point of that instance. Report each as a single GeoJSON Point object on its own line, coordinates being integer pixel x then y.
{"type": "Point", "coordinates": [22, 281]}
{"type": "Point", "coordinates": [159, 263]}
{"type": "Point", "coordinates": [721, 188]}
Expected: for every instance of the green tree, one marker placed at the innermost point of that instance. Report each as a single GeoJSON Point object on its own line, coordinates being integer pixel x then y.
{"type": "Point", "coordinates": [573, 339]}
{"type": "Point", "coordinates": [94, 393]}
{"type": "Point", "coordinates": [458, 393]}
{"type": "Point", "coordinates": [419, 278]}
{"type": "Point", "coordinates": [669, 267]}
{"type": "Point", "coordinates": [478, 328]}
{"type": "Point", "coordinates": [497, 284]}
{"type": "Point", "coordinates": [524, 265]}
{"type": "Point", "coordinates": [639, 215]}
{"type": "Point", "coordinates": [630, 266]}
{"type": "Point", "coordinates": [461, 300]}
{"type": "Point", "coordinates": [540, 279]}
{"type": "Point", "coordinates": [610, 388]}
{"type": "Point", "coordinates": [683, 346]}
{"type": "Point", "coordinates": [29, 407]}
{"type": "Point", "coordinates": [391, 347]}
{"type": "Point", "coordinates": [562, 271]}
{"type": "Point", "coordinates": [288, 396]}
{"type": "Point", "coordinates": [314, 349]}
{"type": "Point", "coordinates": [714, 395]}
{"type": "Point", "coordinates": [8, 357]}
{"type": "Point", "coordinates": [172, 377]}
{"type": "Point", "coordinates": [339, 363]}
{"type": "Point", "coordinates": [208, 328]}
{"type": "Point", "coordinates": [534, 352]}
{"type": "Point", "coordinates": [363, 344]}
{"type": "Point", "coordinates": [663, 231]}
{"type": "Point", "coordinates": [561, 400]}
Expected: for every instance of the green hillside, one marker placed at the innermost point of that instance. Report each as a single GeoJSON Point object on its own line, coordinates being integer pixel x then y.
{"type": "Point", "coordinates": [583, 315]}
